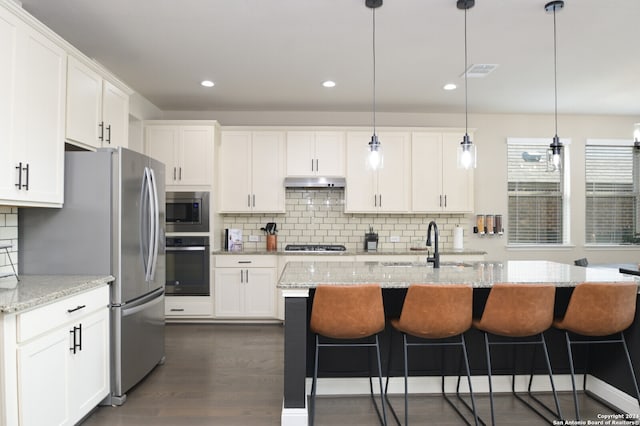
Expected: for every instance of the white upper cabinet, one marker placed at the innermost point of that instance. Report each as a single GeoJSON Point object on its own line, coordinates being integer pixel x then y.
{"type": "Point", "coordinates": [32, 115]}
{"type": "Point", "coordinates": [251, 172]}
{"type": "Point", "coordinates": [97, 111]}
{"type": "Point", "coordinates": [315, 153]}
{"type": "Point", "coordinates": [386, 189]}
{"type": "Point", "coordinates": [187, 151]}
{"type": "Point", "coordinates": [438, 184]}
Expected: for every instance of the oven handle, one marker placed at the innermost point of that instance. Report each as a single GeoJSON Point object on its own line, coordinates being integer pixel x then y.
{"type": "Point", "coordinates": [191, 248]}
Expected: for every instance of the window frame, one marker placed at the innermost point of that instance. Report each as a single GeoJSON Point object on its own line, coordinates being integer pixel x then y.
{"type": "Point", "coordinates": [565, 188]}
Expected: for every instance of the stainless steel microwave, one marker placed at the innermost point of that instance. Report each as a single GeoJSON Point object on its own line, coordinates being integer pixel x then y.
{"type": "Point", "coordinates": [187, 212]}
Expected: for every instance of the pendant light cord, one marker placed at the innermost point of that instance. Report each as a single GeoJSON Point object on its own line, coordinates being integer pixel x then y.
{"type": "Point", "coordinates": [374, 69]}
{"type": "Point", "coordinates": [555, 71]}
{"type": "Point", "coordinates": [466, 106]}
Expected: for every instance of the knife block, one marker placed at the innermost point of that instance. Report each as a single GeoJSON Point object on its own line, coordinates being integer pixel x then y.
{"type": "Point", "coordinates": [272, 242]}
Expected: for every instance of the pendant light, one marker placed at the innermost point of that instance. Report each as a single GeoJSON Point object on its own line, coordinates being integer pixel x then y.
{"type": "Point", "coordinates": [554, 159]}
{"type": "Point", "coordinates": [374, 159]}
{"type": "Point", "coordinates": [636, 135]}
{"type": "Point", "coordinates": [466, 150]}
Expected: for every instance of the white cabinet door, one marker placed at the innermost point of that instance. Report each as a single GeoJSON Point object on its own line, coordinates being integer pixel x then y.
{"type": "Point", "coordinates": [43, 371]}
{"type": "Point", "coordinates": [426, 169]}
{"type": "Point", "coordinates": [229, 292]}
{"type": "Point", "coordinates": [267, 172]}
{"type": "Point", "coordinates": [301, 153]}
{"type": "Point", "coordinates": [39, 119]}
{"type": "Point", "coordinates": [160, 143]}
{"type": "Point", "coordinates": [330, 153]}
{"type": "Point", "coordinates": [438, 184]}
{"type": "Point", "coordinates": [115, 116]}
{"type": "Point", "coordinates": [382, 190]}
{"type": "Point", "coordinates": [195, 155]}
{"type": "Point", "coordinates": [89, 372]}
{"type": "Point", "coordinates": [235, 172]}
{"type": "Point", "coordinates": [259, 293]}
{"type": "Point", "coordinates": [311, 153]}
{"type": "Point", "coordinates": [84, 104]}
{"type": "Point", "coordinates": [457, 183]}
{"type": "Point", "coordinates": [8, 46]}
{"type": "Point", "coordinates": [251, 172]}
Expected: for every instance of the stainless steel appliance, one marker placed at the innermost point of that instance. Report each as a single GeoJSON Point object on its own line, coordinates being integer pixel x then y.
{"type": "Point", "coordinates": [187, 211]}
{"type": "Point", "coordinates": [112, 222]}
{"type": "Point", "coordinates": [315, 247]}
{"type": "Point", "coordinates": [187, 266]}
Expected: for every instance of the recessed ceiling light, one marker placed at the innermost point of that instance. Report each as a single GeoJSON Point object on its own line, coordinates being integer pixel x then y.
{"type": "Point", "coordinates": [329, 83]}
{"type": "Point", "coordinates": [449, 86]}
{"type": "Point", "coordinates": [207, 83]}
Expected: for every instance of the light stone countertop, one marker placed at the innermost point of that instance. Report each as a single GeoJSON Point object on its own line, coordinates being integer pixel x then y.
{"type": "Point", "coordinates": [35, 290]}
{"type": "Point", "coordinates": [304, 275]}
{"type": "Point", "coordinates": [349, 253]}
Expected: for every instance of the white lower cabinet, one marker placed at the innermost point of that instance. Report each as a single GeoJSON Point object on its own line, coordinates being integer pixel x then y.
{"type": "Point", "coordinates": [61, 360]}
{"type": "Point", "coordinates": [245, 287]}
{"type": "Point", "coordinates": [182, 307]}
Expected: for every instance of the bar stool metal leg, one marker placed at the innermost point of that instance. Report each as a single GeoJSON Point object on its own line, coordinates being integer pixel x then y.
{"type": "Point", "coordinates": [486, 345]}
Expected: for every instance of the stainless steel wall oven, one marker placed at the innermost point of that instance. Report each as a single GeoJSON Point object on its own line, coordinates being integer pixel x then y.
{"type": "Point", "coordinates": [187, 212]}
{"type": "Point", "coordinates": [187, 262]}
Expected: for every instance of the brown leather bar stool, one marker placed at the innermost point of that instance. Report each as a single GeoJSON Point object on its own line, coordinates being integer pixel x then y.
{"type": "Point", "coordinates": [432, 314]}
{"type": "Point", "coordinates": [355, 314]}
{"type": "Point", "coordinates": [598, 310]}
{"type": "Point", "coordinates": [521, 312]}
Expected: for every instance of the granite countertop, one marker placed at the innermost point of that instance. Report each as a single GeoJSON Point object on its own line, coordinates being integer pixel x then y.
{"type": "Point", "coordinates": [349, 253]}
{"type": "Point", "coordinates": [35, 290]}
{"type": "Point", "coordinates": [303, 275]}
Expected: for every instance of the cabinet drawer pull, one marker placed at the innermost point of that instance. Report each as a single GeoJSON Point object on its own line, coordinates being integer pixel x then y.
{"type": "Point", "coordinates": [26, 185]}
{"type": "Point", "coordinates": [177, 310]}
{"type": "Point", "coordinates": [109, 134]}
{"type": "Point", "coordinates": [19, 169]}
{"type": "Point", "coordinates": [245, 261]}
{"type": "Point", "coordinates": [101, 126]}
{"type": "Point", "coordinates": [77, 308]}
{"type": "Point", "coordinates": [76, 337]}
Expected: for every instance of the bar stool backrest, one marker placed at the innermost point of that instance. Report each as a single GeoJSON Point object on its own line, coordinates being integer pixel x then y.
{"type": "Point", "coordinates": [434, 311]}
{"type": "Point", "coordinates": [518, 310]}
{"type": "Point", "coordinates": [600, 309]}
{"type": "Point", "coordinates": [347, 311]}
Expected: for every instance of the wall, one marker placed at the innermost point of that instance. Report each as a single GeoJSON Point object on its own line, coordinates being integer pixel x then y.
{"type": "Point", "coordinates": [491, 133]}
{"type": "Point", "coordinates": [316, 216]}
{"type": "Point", "coordinates": [8, 234]}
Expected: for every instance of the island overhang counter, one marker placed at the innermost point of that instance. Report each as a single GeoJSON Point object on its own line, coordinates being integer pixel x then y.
{"type": "Point", "coordinates": [299, 279]}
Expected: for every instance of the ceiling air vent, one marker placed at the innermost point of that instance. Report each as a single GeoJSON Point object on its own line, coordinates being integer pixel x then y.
{"type": "Point", "coordinates": [480, 70]}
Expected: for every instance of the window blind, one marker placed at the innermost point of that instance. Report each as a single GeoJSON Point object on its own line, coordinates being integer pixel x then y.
{"type": "Point", "coordinates": [535, 196]}
{"type": "Point", "coordinates": [611, 194]}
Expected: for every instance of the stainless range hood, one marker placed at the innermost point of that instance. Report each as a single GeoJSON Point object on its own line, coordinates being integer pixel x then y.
{"type": "Point", "coordinates": [314, 182]}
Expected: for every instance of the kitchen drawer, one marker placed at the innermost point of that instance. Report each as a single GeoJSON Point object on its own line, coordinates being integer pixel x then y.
{"type": "Point", "coordinates": [188, 306]}
{"type": "Point", "coordinates": [40, 320]}
{"type": "Point", "coordinates": [239, 261]}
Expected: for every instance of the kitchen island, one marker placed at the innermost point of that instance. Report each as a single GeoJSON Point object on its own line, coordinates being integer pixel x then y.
{"type": "Point", "coordinates": [299, 280]}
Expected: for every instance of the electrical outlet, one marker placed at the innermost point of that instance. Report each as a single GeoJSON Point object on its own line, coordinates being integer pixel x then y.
{"type": "Point", "coordinates": [254, 238]}
{"type": "Point", "coordinates": [394, 239]}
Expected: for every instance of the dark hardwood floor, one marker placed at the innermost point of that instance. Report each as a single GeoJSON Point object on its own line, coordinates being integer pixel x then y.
{"type": "Point", "coordinates": [232, 375]}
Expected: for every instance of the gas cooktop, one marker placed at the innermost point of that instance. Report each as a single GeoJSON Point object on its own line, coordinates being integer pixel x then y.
{"type": "Point", "coordinates": [314, 247]}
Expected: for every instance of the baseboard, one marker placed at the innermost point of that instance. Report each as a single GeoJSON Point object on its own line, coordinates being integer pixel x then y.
{"type": "Point", "coordinates": [614, 396]}
{"type": "Point", "coordinates": [294, 416]}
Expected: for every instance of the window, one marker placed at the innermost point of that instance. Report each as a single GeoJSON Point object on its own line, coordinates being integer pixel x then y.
{"type": "Point", "coordinates": [611, 176]}
{"type": "Point", "coordinates": [538, 196]}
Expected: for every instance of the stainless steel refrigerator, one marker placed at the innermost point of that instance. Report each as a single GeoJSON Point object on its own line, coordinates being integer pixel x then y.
{"type": "Point", "coordinates": [112, 222]}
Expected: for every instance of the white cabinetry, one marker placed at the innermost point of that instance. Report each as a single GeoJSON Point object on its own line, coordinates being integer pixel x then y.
{"type": "Point", "coordinates": [186, 307]}
{"type": "Point", "coordinates": [386, 189]}
{"type": "Point", "coordinates": [245, 286]}
{"type": "Point", "coordinates": [61, 354]}
{"type": "Point", "coordinates": [251, 172]}
{"type": "Point", "coordinates": [438, 185]}
{"type": "Point", "coordinates": [315, 153]}
{"type": "Point", "coordinates": [187, 150]}
{"type": "Point", "coordinates": [32, 115]}
{"type": "Point", "coordinates": [97, 110]}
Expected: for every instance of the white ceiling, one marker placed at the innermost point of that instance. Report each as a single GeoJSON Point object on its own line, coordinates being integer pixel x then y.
{"type": "Point", "coordinates": [273, 55]}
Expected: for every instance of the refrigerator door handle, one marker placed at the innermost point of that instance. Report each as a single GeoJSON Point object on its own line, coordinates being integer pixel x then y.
{"type": "Point", "coordinates": [156, 225]}
{"type": "Point", "coordinates": [149, 242]}
{"type": "Point", "coordinates": [142, 303]}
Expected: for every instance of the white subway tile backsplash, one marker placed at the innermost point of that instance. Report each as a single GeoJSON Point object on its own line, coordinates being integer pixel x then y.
{"type": "Point", "coordinates": [317, 217]}
{"type": "Point", "coordinates": [8, 235]}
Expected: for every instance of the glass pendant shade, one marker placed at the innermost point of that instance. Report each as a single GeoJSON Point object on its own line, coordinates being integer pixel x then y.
{"type": "Point", "coordinates": [554, 155]}
{"type": "Point", "coordinates": [375, 157]}
{"type": "Point", "coordinates": [466, 154]}
{"type": "Point", "coordinates": [636, 132]}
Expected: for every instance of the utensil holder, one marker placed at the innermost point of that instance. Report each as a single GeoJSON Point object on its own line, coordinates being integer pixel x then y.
{"type": "Point", "coordinates": [272, 242]}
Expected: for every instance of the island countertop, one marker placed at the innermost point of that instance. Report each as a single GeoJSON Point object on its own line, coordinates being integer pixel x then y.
{"type": "Point", "coordinates": [36, 290]}
{"type": "Point", "coordinates": [483, 274]}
